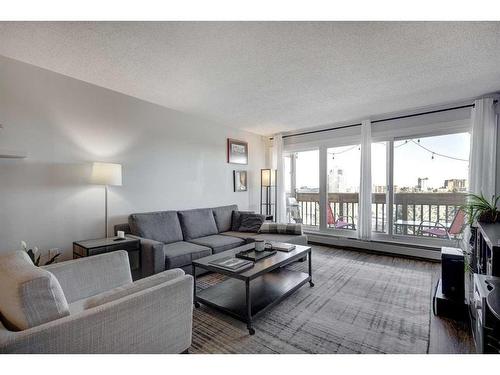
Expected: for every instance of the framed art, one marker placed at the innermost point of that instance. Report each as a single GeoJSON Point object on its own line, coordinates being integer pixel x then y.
{"type": "Point", "coordinates": [237, 151]}
{"type": "Point", "coordinates": [240, 181]}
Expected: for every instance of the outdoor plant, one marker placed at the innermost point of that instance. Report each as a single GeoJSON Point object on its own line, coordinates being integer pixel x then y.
{"type": "Point", "coordinates": [35, 255]}
{"type": "Point", "coordinates": [478, 208]}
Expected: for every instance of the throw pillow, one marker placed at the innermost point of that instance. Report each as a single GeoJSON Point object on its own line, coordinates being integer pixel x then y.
{"type": "Point", "coordinates": [236, 219]}
{"type": "Point", "coordinates": [29, 295]}
{"type": "Point", "coordinates": [281, 228]}
{"type": "Point", "coordinates": [251, 222]}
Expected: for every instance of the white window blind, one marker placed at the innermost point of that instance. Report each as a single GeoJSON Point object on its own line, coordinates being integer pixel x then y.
{"type": "Point", "coordinates": [453, 121]}
{"type": "Point", "coordinates": [330, 138]}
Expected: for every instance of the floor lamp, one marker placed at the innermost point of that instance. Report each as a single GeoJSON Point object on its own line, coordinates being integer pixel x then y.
{"type": "Point", "coordinates": [267, 187]}
{"type": "Point", "coordinates": [107, 174]}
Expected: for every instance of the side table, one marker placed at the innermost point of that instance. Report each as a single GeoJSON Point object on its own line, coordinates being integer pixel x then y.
{"type": "Point", "coordinates": [105, 245]}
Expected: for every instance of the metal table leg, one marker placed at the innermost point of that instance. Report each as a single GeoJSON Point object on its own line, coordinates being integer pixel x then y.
{"type": "Point", "coordinates": [251, 331]}
{"type": "Point", "coordinates": [196, 303]}
{"type": "Point", "coordinates": [310, 267]}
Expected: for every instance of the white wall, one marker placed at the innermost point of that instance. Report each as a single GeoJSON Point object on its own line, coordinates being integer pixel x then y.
{"type": "Point", "coordinates": [170, 160]}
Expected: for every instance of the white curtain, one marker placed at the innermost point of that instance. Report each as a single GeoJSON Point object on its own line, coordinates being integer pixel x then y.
{"type": "Point", "coordinates": [365, 190]}
{"type": "Point", "coordinates": [482, 165]}
{"type": "Point", "coordinates": [279, 166]}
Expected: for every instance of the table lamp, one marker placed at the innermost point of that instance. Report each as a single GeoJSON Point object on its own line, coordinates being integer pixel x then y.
{"type": "Point", "coordinates": [107, 174]}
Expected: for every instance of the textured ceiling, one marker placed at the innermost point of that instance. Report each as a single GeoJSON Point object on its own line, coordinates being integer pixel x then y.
{"type": "Point", "coordinates": [266, 77]}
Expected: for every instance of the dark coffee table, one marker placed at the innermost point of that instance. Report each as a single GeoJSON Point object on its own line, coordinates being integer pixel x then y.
{"type": "Point", "coordinates": [249, 293]}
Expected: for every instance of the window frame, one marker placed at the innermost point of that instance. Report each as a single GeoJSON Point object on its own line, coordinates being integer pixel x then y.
{"type": "Point", "coordinates": [349, 233]}
{"type": "Point", "coordinates": [323, 145]}
{"type": "Point", "coordinates": [293, 177]}
{"type": "Point", "coordinates": [402, 239]}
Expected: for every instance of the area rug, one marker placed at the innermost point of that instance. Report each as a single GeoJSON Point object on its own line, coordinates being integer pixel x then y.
{"type": "Point", "coordinates": [361, 303]}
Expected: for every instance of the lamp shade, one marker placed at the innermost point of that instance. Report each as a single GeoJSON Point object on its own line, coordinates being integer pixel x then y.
{"type": "Point", "coordinates": [267, 177]}
{"type": "Point", "coordinates": [106, 174]}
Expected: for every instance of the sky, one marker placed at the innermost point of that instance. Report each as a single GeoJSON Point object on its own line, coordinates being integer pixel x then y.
{"type": "Point", "coordinates": [410, 162]}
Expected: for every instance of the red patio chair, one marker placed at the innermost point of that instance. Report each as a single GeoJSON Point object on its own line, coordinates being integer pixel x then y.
{"type": "Point", "coordinates": [341, 222]}
{"type": "Point", "coordinates": [440, 231]}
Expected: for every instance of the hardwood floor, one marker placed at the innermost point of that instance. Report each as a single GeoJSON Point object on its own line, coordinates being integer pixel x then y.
{"type": "Point", "coordinates": [448, 336]}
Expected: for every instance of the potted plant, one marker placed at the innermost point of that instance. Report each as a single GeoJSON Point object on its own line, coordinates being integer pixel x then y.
{"type": "Point", "coordinates": [479, 209]}
{"type": "Point", "coordinates": [35, 255]}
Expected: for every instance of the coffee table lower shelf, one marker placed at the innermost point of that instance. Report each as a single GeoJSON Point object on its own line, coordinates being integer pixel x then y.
{"type": "Point", "coordinates": [246, 300]}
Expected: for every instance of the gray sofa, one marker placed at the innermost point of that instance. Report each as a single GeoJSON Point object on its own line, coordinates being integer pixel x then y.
{"type": "Point", "coordinates": [173, 239]}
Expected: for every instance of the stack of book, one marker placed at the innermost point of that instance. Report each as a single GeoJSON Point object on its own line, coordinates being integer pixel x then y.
{"type": "Point", "coordinates": [281, 246]}
{"type": "Point", "coordinates": [232, 264]}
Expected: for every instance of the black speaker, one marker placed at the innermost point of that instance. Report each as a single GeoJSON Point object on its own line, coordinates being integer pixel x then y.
{"type": "Point", "coordinates": [452, 273]}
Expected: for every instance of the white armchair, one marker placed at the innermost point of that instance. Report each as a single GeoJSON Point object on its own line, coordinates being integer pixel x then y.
{"type": "Point", "coordinates": [108, 313]}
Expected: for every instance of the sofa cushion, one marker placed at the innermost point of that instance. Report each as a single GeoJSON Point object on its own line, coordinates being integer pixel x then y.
{"type": "Point", "coordinates": [29, 295]}
{"type": "Point", "coordinates": [242, 235]}
{"type": "Point", "coordinates": [219, 242]}
{"type": "Point", "coordinates": [197, 223]}
{"type": "Point", "coordinates": [236, 219]}
{"type": "Point", "coordinates": [223, 217]}
{"type": "Point", "coordinates": [162, 226]}
{"type": "Point", "coordinates": [180, 254]}
{"type": "Point", "coordinates": [251, 222]}
{"type": "Point", "coordinates": [137, 286]}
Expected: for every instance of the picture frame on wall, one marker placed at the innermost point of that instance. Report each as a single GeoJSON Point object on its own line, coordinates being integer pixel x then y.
{"type": "Point", "coordinates": [240, 181]}
{"type": "Point", "coordinates": [237, 151]}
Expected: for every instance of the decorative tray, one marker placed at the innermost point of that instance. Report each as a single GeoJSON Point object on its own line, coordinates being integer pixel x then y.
{"type": "Point", "coordinates": [255, 256]}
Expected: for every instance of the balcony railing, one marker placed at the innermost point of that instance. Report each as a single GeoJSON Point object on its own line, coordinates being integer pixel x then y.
{"type": "Point", "coordinates": [409, 210]}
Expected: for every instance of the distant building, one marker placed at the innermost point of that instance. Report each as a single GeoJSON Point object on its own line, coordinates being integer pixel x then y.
{"type": "Point", "coordinates": [336, 182]}
{"type": "Point", "coordinates": [455, 184]}
{"type": "Point", "coordinates": [422, 183]}
{"type": "Point", "coordinates": [380, 189]}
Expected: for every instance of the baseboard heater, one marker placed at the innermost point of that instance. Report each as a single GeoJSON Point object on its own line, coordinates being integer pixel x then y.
{"type": "Point", "coordinates": [409, 250]}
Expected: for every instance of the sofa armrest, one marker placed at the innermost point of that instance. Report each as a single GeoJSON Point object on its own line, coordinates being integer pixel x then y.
{"type": "Point", "coordinates": [135, 287]}
{"type": "Point", "coordinates": [152, 256]}
{"type": "Point", "coordinates": [85, 277]}
{"type": "Point", "coordinates": [156, 320]}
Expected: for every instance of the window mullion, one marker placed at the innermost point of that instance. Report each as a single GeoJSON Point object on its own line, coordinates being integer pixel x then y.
{"type": "Point", "coordinates": [323, 181]}
{"type": "Point", "coordinates": [390, 187]}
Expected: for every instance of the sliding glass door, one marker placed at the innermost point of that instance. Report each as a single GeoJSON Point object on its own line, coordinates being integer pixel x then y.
{"type": "Point", "coordinates": [303, 192]}
{"type": "Point", "coordinates": [418, 184]}
{"type": "Point", "coordinates": [430, 184]}
{"type": "Point", "coordinates": [343, 181]}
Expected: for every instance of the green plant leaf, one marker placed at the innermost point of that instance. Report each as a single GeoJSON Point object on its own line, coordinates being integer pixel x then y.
{"type": "Point", "coordinates": [476, 205]}
{"type": "Point", "coordinates": [31, 255]}
{"type": "Point", "coordinates": [52, 260]}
